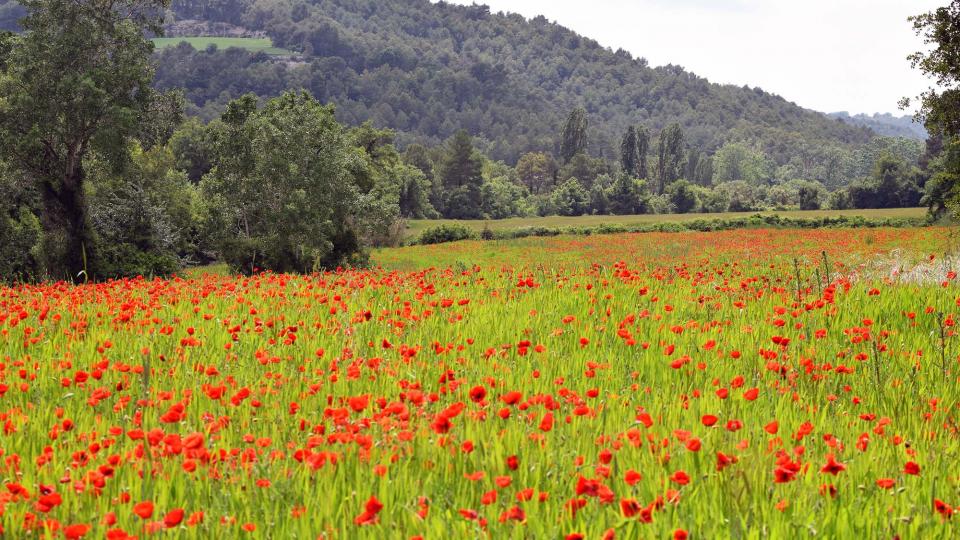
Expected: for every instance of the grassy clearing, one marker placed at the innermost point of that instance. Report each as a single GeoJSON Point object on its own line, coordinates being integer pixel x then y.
{"type": "Point", "coordinates": [201, 43]}
{"type": "Point", "coordinates": [415, 227]}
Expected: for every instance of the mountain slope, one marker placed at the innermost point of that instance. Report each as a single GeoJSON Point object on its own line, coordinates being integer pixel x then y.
{"type": "Point", "coordinates": [429, 69]}
{"type": "Point", "coordinates": [886, 124]}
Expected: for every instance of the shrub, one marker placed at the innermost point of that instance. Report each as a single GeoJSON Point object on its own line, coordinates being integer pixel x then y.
{"type": "Point", "coordinates": [445, 233]}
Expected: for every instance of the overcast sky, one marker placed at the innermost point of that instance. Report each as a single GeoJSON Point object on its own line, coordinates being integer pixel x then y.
{"type": "Point", "coordinates": [827, 55]}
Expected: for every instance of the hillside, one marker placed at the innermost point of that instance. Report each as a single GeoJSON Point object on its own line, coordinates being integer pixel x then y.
{"type": "Point", "coordinates": [886, 124]}
{"type": "Point", "coordinates": [428, 69]}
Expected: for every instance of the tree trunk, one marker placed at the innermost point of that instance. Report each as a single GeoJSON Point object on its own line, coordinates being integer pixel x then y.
{"type": "Point", "coordinates": [65, 223]}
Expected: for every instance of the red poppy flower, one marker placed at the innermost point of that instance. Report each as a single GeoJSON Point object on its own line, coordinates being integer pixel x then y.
{"type": "Point", "coordinates": [833, 466]}
{"type": "Point", "coordinates": [173, 518]}
{"type": "Point", "coordinates": [143, 509]}
{"type": "Point", "coordinates": [370, 511]}
{"type": "Point", "coordinates": [76, 531]}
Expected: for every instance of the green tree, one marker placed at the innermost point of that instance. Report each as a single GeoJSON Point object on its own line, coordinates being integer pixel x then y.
{"type": "Point", "coordinates": [191, 148]}
{"type": "Point", "coordinates": [625, 196]}
{"type": "Point", "coordinates": [573, 138]}
{"type": "Point", "coordinates": [683, 196]}
{"type": "Point", "coordinates": [144, 217]}
{"type": "Point", "coordinates": [571, 199]}
{"type": "Point", "coordinates": [643, 150]}
{"type": "Point", "coordinates": [461, 173]}
{"type": "Point", "coordinates": [741, 195]}
{"type": "Point", "coordinates": [503, 198]}
{"type": "Point", "coordinates": [809, 198]}
{"type": "Point", "coordinates": [600, 195]}
{"type": "Point", "coordinates": [630, 153]}
{"type": "Point", "coordinates": [703, 174]}
{"type": "Point", "coordinates": [286, 187]}
{"type": "Point", "coordinates": [670, 156]}
{"type": "Point", "coordinates": [414, 192]}
{"type": "Point", "coordinates": [76, 80]}
{"type": "Point", "coordinates": [737, 161]}
{"type": "Point", "coordinates": [891, 185]}
{"type": "Point", "coordinates": [584, 168]}
{"type": "Point", "coordinates": [20, 231]}
{"type": "Point", "coordinates": [940, 106]}
{"type": "Point", "coordinates": [536, 171]}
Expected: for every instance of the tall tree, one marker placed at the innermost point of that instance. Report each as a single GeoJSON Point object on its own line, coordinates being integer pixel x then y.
{"type": "Point", "coordinates": [643, 150]}
{"type": "Point", "coordinates": [630, 153]}
{"type": "Point", "coordinates": [76, 81]}
{"type": "Point", "coordinates": [670, 156]}
{"type": "Point", "coordinates": [462, 175]}
{"type": "Point", "coordinates": [573, 139]}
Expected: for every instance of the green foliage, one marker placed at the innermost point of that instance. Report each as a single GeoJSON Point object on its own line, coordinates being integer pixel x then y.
{"type": "Point", "coordinates": [503, 199]}
{"type": "Point", "coordinates": [461, 179]}
{"type": "Point", "coordinates": [21, 257]}
{"type": "Point", "coordinates": [573, 138]}
{"type": "Point", "coordinates": [626, 196]}
{"type": "Point", "coordinates": [737, 161]}
{"type": "Point", "coordinates": [741, 196]}
{"type": "Point", "coordinates": [670, 156]}
{"type": "Point", "coordinates": [192, 149]}
{"type": "Point", "coordinates": [643, 151]}
{"type": "Point", "coordinates": [810, 195]}
{"type": "Point", "coordinates": [571, 199]}
{"type": "Point", "coordinates": [144, 218]}
{"type": "Point", "coordinates": [940, 106]}
{"type": "Point", "coordinates": [584, 168]}
{"type": "Point", "coordinates": [630, 153]}
{"type": "Point", "coordinates": [288, 187]}
{"type": "Point", "coordinates": [683, 196]}
{"type": "Point", "coordinates": [536, 171]}
{"type": "Point", "coordinates": [942, 189]}
{"type": "Point", "coordinates": [890, 186]}
{"type": "Point", "coordinates": [445, 233]}
{"type": "Point", "coordinates": [76, 80]}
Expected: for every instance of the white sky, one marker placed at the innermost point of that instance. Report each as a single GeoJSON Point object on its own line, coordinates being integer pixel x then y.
{"type": "Point", "coordinates": [826, 55]}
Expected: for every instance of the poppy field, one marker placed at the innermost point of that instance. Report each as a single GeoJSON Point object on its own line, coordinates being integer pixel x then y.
{"type": "Point", "coordinates": [737, 384]}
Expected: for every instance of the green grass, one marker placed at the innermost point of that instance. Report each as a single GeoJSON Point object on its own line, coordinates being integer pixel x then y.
{"type": "Point", "coordinates": [415, 227]}
{"type": "Point", "coordinates": [201, 43]}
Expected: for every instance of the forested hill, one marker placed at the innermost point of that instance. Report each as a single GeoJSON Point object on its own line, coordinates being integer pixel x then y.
{"type": "Point", "coordinates": [429, 69]}
{"type": "Point", "coordinates": [886, 124]}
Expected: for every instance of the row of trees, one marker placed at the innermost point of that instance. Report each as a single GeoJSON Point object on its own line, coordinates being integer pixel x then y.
{"type": "Point", "coordinates": [664, 176]}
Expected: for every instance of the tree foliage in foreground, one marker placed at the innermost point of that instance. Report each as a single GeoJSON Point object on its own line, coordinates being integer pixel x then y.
{"type": "Point", "coordinates": [74, 82]}
{"type": "Point", "coordinates": [940, 106]}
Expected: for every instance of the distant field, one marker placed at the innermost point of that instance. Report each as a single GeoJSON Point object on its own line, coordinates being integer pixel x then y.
{"type": "Point", "coordinates": [200, 43]}
{"type": "Point", "coordinates": [415, 227]}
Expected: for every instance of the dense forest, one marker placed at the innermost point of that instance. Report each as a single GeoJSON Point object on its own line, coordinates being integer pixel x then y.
{"type": "Point", "coordinates": [119, 160]}
{"type": "Point", "coordinates": [886, 124]}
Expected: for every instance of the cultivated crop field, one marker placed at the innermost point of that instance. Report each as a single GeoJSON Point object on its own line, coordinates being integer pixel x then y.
{"type": "Point", "coordinates": [633, 386]}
